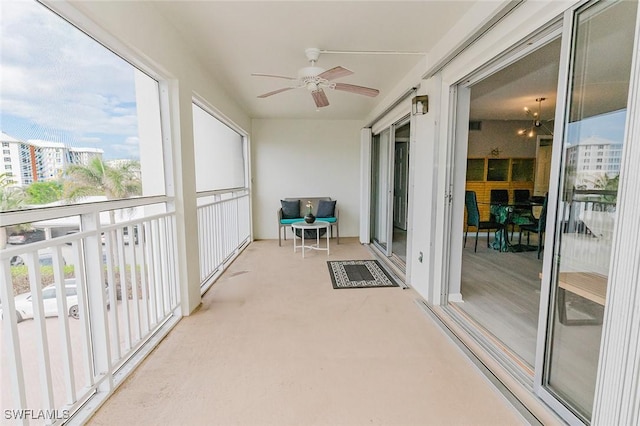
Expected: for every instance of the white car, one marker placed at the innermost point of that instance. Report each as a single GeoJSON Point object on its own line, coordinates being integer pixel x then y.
{"type": "Point", "coordinates": [24, 304]}
{"type": "Point", "coordinates": [45, 259]}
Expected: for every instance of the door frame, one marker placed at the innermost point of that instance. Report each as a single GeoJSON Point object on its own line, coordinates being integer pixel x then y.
{"type": "Point", "coordinates": [455, 180]}
{"type": "Point", "coordinates": [608, 354]}
{"type": "Point", "coordinates": [390, 176]}
{"type": "Point", "coordinates": [386, 198]}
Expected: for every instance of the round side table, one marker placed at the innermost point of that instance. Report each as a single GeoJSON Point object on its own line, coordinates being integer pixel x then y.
{"type": "Point", "coordinates": [304, 226]}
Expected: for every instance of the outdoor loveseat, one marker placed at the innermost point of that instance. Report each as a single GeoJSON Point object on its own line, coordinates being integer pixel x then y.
{"type": "Point", "coordinates": [323, 208]}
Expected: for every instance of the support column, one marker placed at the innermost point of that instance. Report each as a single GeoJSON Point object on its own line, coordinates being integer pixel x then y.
{"type": "Point", "coordinates": [181, 178]}
{"type": "Point", "coordinates": [365, 185]}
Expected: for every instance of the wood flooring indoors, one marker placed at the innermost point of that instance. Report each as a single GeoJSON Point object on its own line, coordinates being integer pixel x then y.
{"type": "Point", "coordinates": [501, 295]}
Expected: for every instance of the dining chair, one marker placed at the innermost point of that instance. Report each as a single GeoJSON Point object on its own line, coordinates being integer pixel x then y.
{"type": "Point", "coordinates": [473, 218]}
{"type": "Point", "coordinates": [537, 227]}
{"type": "Point", "coordinates": [521, 196]}
{"type": "Point", "coordinates": [498, 196]}
{"type": "Point", "coordinates": [522, 205]}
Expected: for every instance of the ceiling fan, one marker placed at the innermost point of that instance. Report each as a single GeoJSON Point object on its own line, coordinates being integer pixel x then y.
{"type": "Point", "coordinates": [315, 79]}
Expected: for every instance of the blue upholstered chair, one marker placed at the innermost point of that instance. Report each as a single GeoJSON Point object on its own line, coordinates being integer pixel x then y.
{"type": "Point", "coordinates": [498, 196]}
{"type": "Point", "coordinates": [473, 218]}
{"type": "Point", "coordinates": [522, 206]}
{"type": "Point", "coordinates": [537, 227]}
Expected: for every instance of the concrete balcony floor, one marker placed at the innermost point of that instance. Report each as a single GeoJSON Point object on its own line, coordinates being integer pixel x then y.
{"type": "Point", "coordinates": [274, 344]}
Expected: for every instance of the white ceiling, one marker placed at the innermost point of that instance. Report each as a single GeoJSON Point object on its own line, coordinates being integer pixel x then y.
{"type": "Point", "coordinates": [236, 38]}
{"type": "Point", "coordinates": [503, 95]}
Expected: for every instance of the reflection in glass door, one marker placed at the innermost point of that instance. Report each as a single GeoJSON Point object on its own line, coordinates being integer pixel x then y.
{"type": "Point", "coordinates": [586, 209]}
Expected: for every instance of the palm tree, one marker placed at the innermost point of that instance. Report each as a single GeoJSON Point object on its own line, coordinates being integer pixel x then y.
{"type": "Point", "coordinates": [11, 198]}
{"type": "Point", "coordinates": [100, 178]}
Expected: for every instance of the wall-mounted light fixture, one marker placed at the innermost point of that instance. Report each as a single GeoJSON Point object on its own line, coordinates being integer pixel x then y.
{"type": "Point", "coordinates": [420, 105]}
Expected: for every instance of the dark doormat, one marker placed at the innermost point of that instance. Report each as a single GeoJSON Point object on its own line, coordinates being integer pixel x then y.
{"type": "Point", "coordinates": [359, 274]}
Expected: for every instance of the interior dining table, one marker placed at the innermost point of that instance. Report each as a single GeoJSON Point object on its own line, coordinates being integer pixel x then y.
{"type": "Point", "coordinates": [511, 214]}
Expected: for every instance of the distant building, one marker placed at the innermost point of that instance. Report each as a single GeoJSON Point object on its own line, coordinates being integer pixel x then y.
{"type": "Point", "coordinates": [13, 159]}
{"type": "Point", "coordinates": [26, 162]}
{"type": "Point", "coordinates": [592, 158]}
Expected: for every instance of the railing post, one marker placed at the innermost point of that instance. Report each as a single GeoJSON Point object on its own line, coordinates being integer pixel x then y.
{"type": "Point", "coordinates": [96, 299]}
{"type": "Point", "coordinates": [12, 340]}
{"type": "Point", "coordinates": [42, 337]}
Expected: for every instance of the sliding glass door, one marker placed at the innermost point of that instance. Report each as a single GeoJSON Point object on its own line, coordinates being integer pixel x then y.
{"type": "Point", "coordinates": [500, 283]}
{"type": "Point", "coordinates": [390, 191]}
{"type": "Point", "coordinates": [381, 191]}
{"type": "Point", "coordinates": [541, 311]}
{"type": "Point", "coordinates": [400, 190]}
{"type": "Point", "coordinates": [592, 150]}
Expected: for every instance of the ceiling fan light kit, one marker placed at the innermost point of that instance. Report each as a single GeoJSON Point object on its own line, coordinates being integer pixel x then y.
{"type": "Point", "coordinates": [315, 79]}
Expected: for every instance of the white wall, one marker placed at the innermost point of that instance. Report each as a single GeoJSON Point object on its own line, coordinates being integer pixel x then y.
{"type": "Point", "coordinates": [502, 134]}
{"type": "Point", "coordinates": [424, 155]}
{"type": "Point", "coordinates": [305, 158]}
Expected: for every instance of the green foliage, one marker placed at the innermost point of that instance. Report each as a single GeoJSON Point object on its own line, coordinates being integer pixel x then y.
{"type": "Point", "coordinates": [20, 277]}
{"type": "Point", "coordinates": [99, 178]}
{"type": "Point", "coordinates": [11, 197]}
{"type": "Point", "coordinates": [44, 192]}
{"type": "Point", "coordinates": [605, 182]}
{"type": "Point", "coordinates": [45, 271]}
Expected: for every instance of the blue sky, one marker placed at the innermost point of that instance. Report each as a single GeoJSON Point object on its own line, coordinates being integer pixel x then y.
{"type": "Point", "coordinates": [608, 126]}
{"type": "Point", "coordinates": [58, 84]}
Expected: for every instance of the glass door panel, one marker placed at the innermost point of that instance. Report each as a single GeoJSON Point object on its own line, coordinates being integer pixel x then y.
{"type": "Point", "coordinates": [500, 289]}
{"type": "Point", "coordinates": [380, 190]}
{"type": "Point", "coordinates": [586, 209]}
{"type": "Point", "coordinates": [400, 190]}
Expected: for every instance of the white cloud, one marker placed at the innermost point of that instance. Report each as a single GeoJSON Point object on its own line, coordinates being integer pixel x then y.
{"type": "Point", "coordinates": [59, 78]}
{"type": "Point", "coordinates": [129, 149]}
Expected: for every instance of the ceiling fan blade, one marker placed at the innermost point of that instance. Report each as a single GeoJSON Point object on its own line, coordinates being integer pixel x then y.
{"type": "Point", "coordinates": [334, 73]}
{"type": "Point", "coordinates": [275, 92]}
{"type": "Point", "coordinates": [274, 76]}
{"type": "Point", "coordinates": [320, 98]}
{"type": "Point", "coordinates": [360, 90]}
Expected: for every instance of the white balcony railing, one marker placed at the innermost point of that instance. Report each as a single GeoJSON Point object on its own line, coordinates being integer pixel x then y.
{"type": "Point", "coordinates": [76, 308]}
{"type": "Point", "coordinates": [224, 230]}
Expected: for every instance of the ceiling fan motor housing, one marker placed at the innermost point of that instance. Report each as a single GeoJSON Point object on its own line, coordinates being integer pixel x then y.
{"type": "Point", "coordinates": [309, 72]}
{"type": "Point", "coordinates": [313, 53]}
{"type": "Point", "coordinates": [308, 76]}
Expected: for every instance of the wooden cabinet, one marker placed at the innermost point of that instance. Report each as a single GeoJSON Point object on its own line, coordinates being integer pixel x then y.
{"type": "Point", "coordinates": [485, 174]}
{"type": "Point", "coordinates": [497, 169]}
